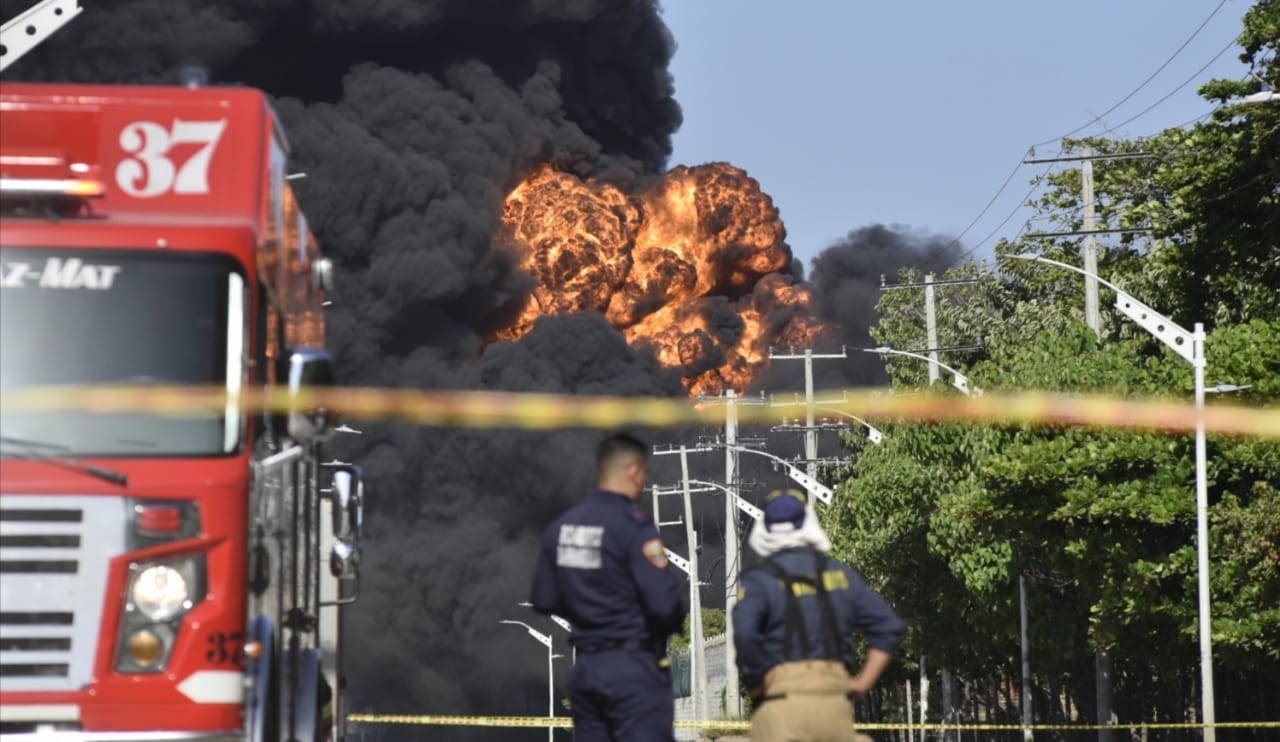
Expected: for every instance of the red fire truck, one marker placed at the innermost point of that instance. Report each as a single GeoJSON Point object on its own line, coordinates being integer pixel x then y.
{"type": "Point", "coordinates": [177, 575]}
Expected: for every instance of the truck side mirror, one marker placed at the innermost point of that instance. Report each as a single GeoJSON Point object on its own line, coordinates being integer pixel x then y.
{"type": "Point", "coordinates": [301, 369]}
{"type": "Point", "coordinates": [346, 501]}
{"type": "Point", "coordinates": [344, 564]}
{"type": "Point", "coordinates": [340, 500]}
{"type": "Point", "coordinates": [356, 512]}
{"type": "Point", "coordinates": [343, 559]}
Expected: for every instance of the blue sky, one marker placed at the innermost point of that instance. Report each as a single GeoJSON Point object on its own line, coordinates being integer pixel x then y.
{"type": "Point", "coordinates": [851, 113]}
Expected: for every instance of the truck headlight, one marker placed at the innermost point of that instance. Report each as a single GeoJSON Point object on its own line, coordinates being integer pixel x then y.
{"type": "Point", "coordinates": [159, 595]}
{"type": "Point", "coordinates": [160, 592]}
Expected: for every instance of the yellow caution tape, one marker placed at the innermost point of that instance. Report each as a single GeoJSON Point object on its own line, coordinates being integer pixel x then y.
{"type": "Point", "coordinates": [463, 721]}
{"type": "Point", "coordinates": [487, 409]}
{"type": "Point", "coordinates": [567, 722]}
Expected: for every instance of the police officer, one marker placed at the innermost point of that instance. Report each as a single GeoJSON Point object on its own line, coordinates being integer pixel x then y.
{"type": "Point", "coordinates": [603, 567]}
{"type": "Point", "coordinates": [794, 629]}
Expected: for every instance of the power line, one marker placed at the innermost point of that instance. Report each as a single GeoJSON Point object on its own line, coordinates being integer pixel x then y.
{"type": "Point", "coordinates": [1021, 202]}
{"type": "Point", "coordinates": [985, 209]}
{"type": "Point", "coordinates": [1197, 119]}
{"type": "Point", "coordinates": [1226, 194]}
{"type": "Point", "coordinates": [1065, 216]}
{"type": "Point", "coordinates": [1144, 83]}
{"type": "Point", "coordinates": [942, 251]}
{"type": "Point", "coordinates": [1171, 93]}
{"type": "Point", "coordinates": [1094, 158]}
{"type": "Point", "coordinates": [1086, 232]}
{"type": "Point", "coordinates": [1076, 211]}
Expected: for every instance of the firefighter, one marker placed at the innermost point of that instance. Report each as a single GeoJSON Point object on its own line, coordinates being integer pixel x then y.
{"type": "Point", "coordinates": [604, 568]}
{"type": "Point", "coordinates": [794, 628]}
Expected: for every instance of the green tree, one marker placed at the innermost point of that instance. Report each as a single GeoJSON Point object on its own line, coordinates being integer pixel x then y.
{"type": "Point", "coordinates": [712, 625]}
{"type": "Point", "coordinates": [1101, 524]}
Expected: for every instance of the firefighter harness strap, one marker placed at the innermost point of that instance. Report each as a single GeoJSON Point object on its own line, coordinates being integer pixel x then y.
{"type": "Point", "coordinates": [796, 627]}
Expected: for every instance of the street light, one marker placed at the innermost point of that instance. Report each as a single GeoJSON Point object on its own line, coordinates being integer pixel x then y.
{"type": "Point", "coordinates": [702, 485]}
{"type": "Point", "coordinates": [816, 489]}
{"type": "Point", "coordinates": [875, 434]}
{"type": "Point", "coordinates": [960, 381]}
{"type": "Point", "coordinates": [1189, 345]}
{"type": "Point", "coordinates": [1264, 96]}
{"type": "Point", "coordinates": [544, 639]}
{"type": "Point", "coordinates": [1223, 387]}
{"type": "Point", "coordinates": [562, 623]}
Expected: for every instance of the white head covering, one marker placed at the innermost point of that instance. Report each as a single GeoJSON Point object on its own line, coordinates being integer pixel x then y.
{"type": "Point", "coordinates": [768, 539]}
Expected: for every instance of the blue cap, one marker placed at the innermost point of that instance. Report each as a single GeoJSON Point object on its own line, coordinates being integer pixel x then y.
{"type": "Point", "coordinates": [785, 506]}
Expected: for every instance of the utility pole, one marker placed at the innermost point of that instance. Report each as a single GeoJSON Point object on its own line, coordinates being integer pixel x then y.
{"type": "Point", "coordinates": [931, 328]}
{"type": "Point", "coordinates": [931, 317]}
{"type": "Point", "coordinates": [698, 653]}
{"type": "Point", "coordinates": [924, 696]}
{"type": "Point", "coordinates": [911, 719]}
{"type": "Point", "coordinates": [733, 696]}
{"type": "Point", "coordinates": [1103, 694]}
{"type": "Point", "coordinates": [733, 699]}
{"type": "Point", "coordinates": [1092, 317]}
{"type": "Point", "coordinates": [697, 648]}
{"type": "Point", "coordinates": [810, 430]}
{"type": "Point", "coordinates": [948, 709]}
{"type": "Point", "coordinates": [1026, 659]}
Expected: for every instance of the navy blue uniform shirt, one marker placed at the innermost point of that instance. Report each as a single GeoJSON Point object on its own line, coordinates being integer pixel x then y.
{"type": "Point", "coordinates": [603, 567]}
{"type": "Point", "coordinates": [760, 617]}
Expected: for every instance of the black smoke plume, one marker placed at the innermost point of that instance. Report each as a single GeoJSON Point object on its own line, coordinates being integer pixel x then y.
{"type": "Point", "coordinates": [846, 278]}
{"type": "Point", "coordinates": [412, 120]}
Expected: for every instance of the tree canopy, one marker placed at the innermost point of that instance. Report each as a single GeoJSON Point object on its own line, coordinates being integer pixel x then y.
{"type": "Point", "coordinates": [945, 519]}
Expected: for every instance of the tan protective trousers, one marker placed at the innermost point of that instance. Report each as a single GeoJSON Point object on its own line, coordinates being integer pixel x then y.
{"type": "Point", "coordinates": [808, 702]}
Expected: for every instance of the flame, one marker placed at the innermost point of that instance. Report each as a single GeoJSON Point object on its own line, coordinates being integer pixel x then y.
{"type": "Point", "coordinates": [692, 266]}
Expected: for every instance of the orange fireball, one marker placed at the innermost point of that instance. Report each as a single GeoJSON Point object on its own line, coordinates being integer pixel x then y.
{"type": "Point", "coordinates": [690, 265]}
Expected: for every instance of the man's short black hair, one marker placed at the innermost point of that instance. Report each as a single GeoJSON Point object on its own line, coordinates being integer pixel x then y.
{"type": "Point", "coordinates": [617, 446]}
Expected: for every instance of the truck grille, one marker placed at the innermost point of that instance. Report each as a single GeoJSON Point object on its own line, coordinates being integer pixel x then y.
{"type": "Point", "coordinates": [55, 552]}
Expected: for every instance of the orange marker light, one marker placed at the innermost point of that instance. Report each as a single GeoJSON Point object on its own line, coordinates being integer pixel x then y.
{"type": "Point", "coordinates": [145, 648]}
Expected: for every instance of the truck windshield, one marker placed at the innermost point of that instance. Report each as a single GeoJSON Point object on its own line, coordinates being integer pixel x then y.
{"type": "Point", "coordinates": [80, 317]}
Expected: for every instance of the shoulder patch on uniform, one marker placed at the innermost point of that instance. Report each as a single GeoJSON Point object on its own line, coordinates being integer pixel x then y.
{"type": "Point", "coordinates": [655, 552]}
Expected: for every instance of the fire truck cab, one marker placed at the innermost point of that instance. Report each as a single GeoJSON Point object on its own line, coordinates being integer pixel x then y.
{"type": "Point", "coordinates": [174, 574]}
